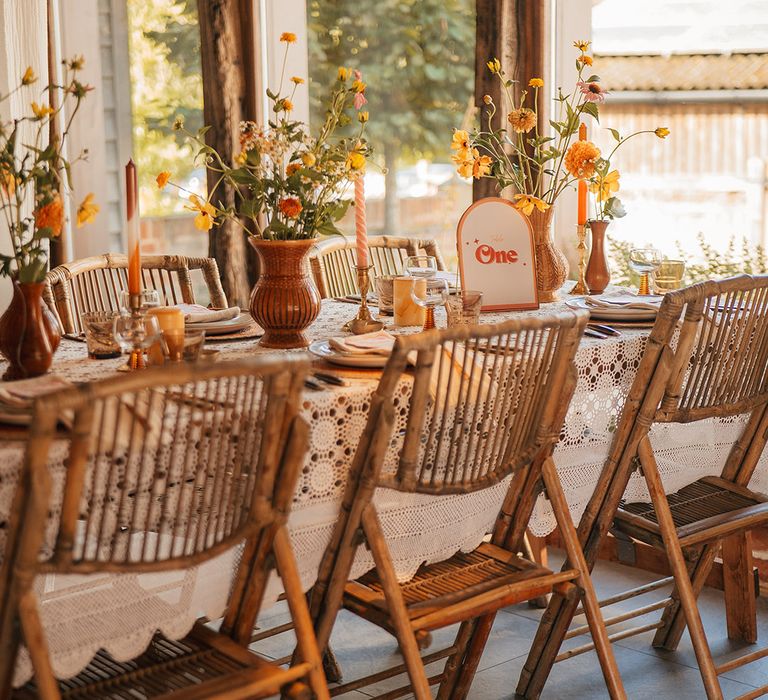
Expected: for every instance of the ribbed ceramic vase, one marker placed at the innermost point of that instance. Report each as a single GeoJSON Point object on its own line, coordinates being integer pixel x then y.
{"type": "Point", "coordinates": [598, 275]}
{"type": "Point", "coordinates": [29, 332]}
{"type": "Point", "coordinates": [551, 264]}
{"type": "Point", "coordinates": [285, 300]}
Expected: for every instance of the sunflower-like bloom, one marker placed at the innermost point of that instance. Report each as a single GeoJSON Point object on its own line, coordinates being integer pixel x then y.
{"type": "Point", "coordinates": [460, 141]}
{"type": "Point", "coordinates": [592, 91]}
{"type": "Point", "coordinates": [41, 111]}
{"type": "Point", "coordinates": [296, 80]}
{"type": "Point", "coordinates": [582, 45]}
{"type": "Point", "coordinates": [580, 159]}
{"type": "Point", "coordinates": [87, 210]}
{"type": "Point", "coordinates": [290, 207]}
{"type": "Point", "coordinates": [526, 203]}
{"type": "Point", "coordinates": [355, 160]}
{"type": "Point", "coordinates": [535, 82]}
{"type": "Point", "coordinates": [288, 37]}
{"type": "Point", "coordinates": [522, 120]}
{"type": "Point", "coordinates": [206, 213]}
{"type": "Point", "coordinates": [470, 163]}
{"type": "Point", "coordinates": [343, 74]}
{"type": "Point", "coordinates": [162, 179]}
{"type": "Point", "coordinates": [662, 132]}
{"type": "Point", "coordinates": [50, 216]}
{"type": "Point", "coordinates": [309, 159]}
{"type": "Point", "coordinates": [606, 187]}
{"type": "Point", "coordinates": [362, 117]}
{"type": "Point", "coordinates": [494, 65]}
{"type": "Point", "coordinates": [29, 76]}
{"type": "Point", "coordinates": [585, 60]}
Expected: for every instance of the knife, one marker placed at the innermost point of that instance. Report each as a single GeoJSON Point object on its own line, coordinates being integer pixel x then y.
{"type": "Point", "coordinates": [600, 328]}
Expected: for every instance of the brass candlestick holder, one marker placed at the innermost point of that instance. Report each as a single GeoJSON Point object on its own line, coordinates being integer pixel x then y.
{"type": "Point", "coordinates": [363, 322]}
{"type": "Point", "coordinates": [581, 286]}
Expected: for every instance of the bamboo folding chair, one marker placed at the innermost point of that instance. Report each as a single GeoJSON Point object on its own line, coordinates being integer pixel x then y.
{"type": "Point", "coordinates": [711, 364]}
{"type": "Point", "coordinates": [487, 403]}
{"type": "Point", "coordinates": [333, 260]}
{"type": "Point", "coordinates": [167, 469]}
{"type": "Point", "coordinates": [95, 284]}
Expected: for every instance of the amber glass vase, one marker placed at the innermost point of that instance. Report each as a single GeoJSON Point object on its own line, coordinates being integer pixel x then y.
{"type": "Point", "coordinates": [285, 300]}
{"type": "Point", "coordinates": [29, 332]}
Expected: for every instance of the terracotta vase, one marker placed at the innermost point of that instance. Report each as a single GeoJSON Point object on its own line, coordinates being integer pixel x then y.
{"type": "Point", "coordinates": [285, 300]}
{"type": "Point", "coordinates": [598, 275]}
{"type": "Point", "coordinates": [29, 332]}
{"type": "Point", "coordinates": [551, 264]}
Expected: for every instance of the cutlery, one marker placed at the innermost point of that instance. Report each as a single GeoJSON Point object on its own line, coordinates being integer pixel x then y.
{"type": "Point", "coordinates": [592, 333]}
{"type": "Point", "coordinates": [347, 300]}
{"type": "Point", "coordinates": [77, 338]}
{"type": "Point", "coordinates": [329, 378]}
{"type": "Point", "coordinates": [312, 384]}
{"type": "Point", "coordinates": [600, 328]}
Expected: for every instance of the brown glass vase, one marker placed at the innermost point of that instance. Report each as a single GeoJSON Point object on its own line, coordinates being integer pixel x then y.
{"type": "Point", "coordinates": [29, 332]}
{"type": "Point", "coordinates": [598, 275]}
{"type": "Point", "coordinates": [551, 264]}
{"type": "Point", "coordinates": [285, 300]}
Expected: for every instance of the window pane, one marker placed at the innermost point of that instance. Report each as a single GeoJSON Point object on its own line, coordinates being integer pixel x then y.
{"type": "Point", "coordinates": [417, 58]}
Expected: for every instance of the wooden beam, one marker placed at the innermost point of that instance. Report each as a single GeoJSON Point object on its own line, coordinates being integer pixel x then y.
{"type": "Point", "coordinates": [228, 98]}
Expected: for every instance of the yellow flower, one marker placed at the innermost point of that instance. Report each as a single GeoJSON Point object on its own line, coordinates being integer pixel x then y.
{"type": "Point", "coordinates": [494, 65]}
{"type": "Point", "coordinates": [50, 216]}
{"type": "Point", "coordinates": [535, 82]}
{"type": "Point", "coordinates": [241, 158]}
{"type": "Point", "coordinates": [29, 76]}
{"type": "Point", "coordinates": [308, 159]}
{"type": "Point", "coordinates": [288, 37]}
{"type": "Point", "coordinates": [41, 111]}
{"type": "Point", "coordinates": [362, 117]}
{"type": "Point", "coordinates": [481, 165]}
{"type": "Point", "coordinates": [522, 120]}
{"type": "Point", "coordinates": [343, 74]}
{"type": "Point", "coordinates": [206, 213]}
{"type": "Point", "coordinates": [460, 140]}
{"type": "Point", "coordinates": [580, 159]}
{"type": "Point", "coordinates": [162, 179]}
{"type": "Point", "coordinates": [605, 187]}
{"type": "Point", "coordinates": [87, 210]}
{"type": "Point", "coordinates": [526, 203]}
{"type": "Point", "coordinates": [662, 132]}
{"type": "Point", "coordinates": [355, 160]}
{"type": "Point", "coordinates": [487, 99]}
{"type": "Point", "coordinates": [582, 46]}
{"type": "Point", "coordinates": [7, 180]}
{"type": "Point", "coordinates": [470, 163]}
{"type": "Point", "coordinates": [77, 62]}
{"type": "Point", "coordinates": [296, 80]}
{"type": "Point", "coordinates": [359, 86]}
{"type": "Point", "coordinates": [287, 104]}
{"type": "Point", "coordinates": [585, 60]}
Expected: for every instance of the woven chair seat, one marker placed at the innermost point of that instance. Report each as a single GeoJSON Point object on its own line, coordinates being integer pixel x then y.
{"type": "Point", "coordinates": [465, 581]}
{"type": "Point", "coordinates": [202, 665]}
{"type": "Point", "coordinates": [702, 511]}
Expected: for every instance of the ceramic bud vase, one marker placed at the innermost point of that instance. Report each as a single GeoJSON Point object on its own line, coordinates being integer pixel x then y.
{"type": "Point", "coordinates": [285, 300]}
{"type": "Point", "coordinates": [551, 264]}
{"type": "Point", "coordinates": [598, 275]}
{"type": "Point", "coordinates": [29, 332]}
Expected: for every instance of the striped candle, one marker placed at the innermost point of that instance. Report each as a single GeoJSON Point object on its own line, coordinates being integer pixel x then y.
{"type": "Point", "coordinates": [361, 231]}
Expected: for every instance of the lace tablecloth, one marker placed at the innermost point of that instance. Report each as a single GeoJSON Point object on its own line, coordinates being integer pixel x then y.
{"type": "Point", "coordinates": [120, 613]}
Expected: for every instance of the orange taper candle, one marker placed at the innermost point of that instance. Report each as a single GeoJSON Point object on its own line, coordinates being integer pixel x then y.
{"type": "Point", "coordinates": [582, 215]}
{"type": "Point", "coordinates": [132, 215]}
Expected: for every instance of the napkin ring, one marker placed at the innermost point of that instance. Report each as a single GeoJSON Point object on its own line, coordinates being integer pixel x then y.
{"type": "Point", "coordinates": [363, 322]}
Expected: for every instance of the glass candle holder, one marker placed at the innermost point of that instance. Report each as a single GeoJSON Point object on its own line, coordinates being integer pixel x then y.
{"type": "Point", "coordinates": [99, 334]}
{"type": "Point", "coordinates": [463, 307]}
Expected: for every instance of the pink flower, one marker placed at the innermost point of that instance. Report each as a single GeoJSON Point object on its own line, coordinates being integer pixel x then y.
{"type": "Point", "coordinates": [592, 91]}
{"type": "Point", "coordinates": [358, 75]}
{"type": "Point", "coordinates": [360, 100]}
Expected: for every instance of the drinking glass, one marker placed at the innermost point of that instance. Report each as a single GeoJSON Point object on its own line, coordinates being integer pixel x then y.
{"type": "Point", "coordinates": [134, 333]}
{"type": "Point", "coordinates": [669, 276]}
{"type": "Point", "coordinates": [463, 307]}
{"type": "Point", "coordinates": [99, 337]}
{"type": "Point", "coordinates": [644, 261]}
{"type": "Point", "coordinates": [183, 345]}
{"type": "Point", "coordinates": [149, 298]}
{"type": "Point", "coordinates": [420, 266]}
{"type": "Point", "coordinates": [436, 295]}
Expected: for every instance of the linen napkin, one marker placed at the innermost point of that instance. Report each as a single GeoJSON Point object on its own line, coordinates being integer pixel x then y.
{"type": "Point", "coordinates": [376, 343]}
{"type": "Point", "coordinates": [624, 301]}
{"type": "Point", "coordinates": [16, 398]}
{"type": "Point", "coordinates": [195, 313]}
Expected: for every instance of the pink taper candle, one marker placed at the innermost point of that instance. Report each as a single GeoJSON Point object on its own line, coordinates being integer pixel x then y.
{"type": "Point", "coordinates": [361, 230]}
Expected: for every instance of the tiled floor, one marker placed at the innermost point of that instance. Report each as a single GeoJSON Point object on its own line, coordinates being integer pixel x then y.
{"type": "Point", "coordinates": [648, 674]}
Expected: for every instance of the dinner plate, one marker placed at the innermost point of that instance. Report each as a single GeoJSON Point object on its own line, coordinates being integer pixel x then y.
{"type": "Point", "coordinates": [218, 327]}
{"type": "Point", "coordinates": [321, 348]}
{"type": "Point", "coordinates": [613, 314]}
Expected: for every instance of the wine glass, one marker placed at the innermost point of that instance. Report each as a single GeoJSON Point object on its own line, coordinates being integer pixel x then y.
{"type": "Point", "coordinates": [644, 261]}
{"type": "Point", "coordinates": [420, 266]}
{"type": "Point", "coordinates": [436, 294]}
{"type": "Point", "coordinates": [135, 333]}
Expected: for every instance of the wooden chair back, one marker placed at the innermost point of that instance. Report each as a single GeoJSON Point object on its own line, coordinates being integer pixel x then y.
{"type": "Point", "coordinates": [333, 260]}
{"type": "Point", "coordinates": [95, 284]}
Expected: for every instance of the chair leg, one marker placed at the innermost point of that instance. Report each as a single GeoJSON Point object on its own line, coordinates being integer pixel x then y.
{"type": "Point", "coordinates": [576, 558]}
{"type": "Point", "coordinates": [374, 536]}
{"type": "Point", "coordinates": [297, 603]}
{"type": "Point", "coordinates": [461, 668]}
{"type": "Point", "coordinates": [32, 630]}
{"type": "Point", "coordinates": [679, 570]}
{"type": "Point", "coordinates": [739, 584]}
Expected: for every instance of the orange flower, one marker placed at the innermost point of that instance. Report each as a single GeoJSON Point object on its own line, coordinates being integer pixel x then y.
{"type": "Point", "coordinates": [292, 168]}
{"type": "Point", "coordinates": [50, 216]}
{"type": "Point", "coordinates": [162, 179]}
{"type": "Point", "coordinates": [7, 181]}
{"type": "Point", "coordinates": [580, 159]}
{"type": "Point", "coordinates": [296, 80]}
{"type": "Point", "coordinates": [535, 82]}
{"type": "Point", "coordinates": [288, 37]}
{"type": "Point", "coordinates": [522, 120]}
{"type": "Point", "coordinates": [290, 207]}
{"type": "Point", "coordinates": [287, 104]}
{"type": "Point", "coordinates": [87, 210]}
{"type": "Point", "coordinates": [526, 203]}
{"type": "Point", "coordinates": [585, 60]}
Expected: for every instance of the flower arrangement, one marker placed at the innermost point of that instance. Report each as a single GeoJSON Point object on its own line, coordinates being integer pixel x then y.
{"type": "Point", "coordinates": [539, 166]}
{"type": "Point", "coordinates": [288, 184]}
{"type": "Point", "coordinates": [33, 175]}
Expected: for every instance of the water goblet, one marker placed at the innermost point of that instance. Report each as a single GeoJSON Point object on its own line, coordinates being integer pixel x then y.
{"type": "Point", "coordinates": [135, 333]}
{"type": "Point", "coordinates": [644, 261]}
{"type": "Point", "coordinates": [421, 266]}
{"type": "Point", "coordinates": [436, 294]}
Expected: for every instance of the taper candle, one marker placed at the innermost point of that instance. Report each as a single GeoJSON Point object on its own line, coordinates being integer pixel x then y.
{"type": "Point", "coordinates": [361, 231]}
{"type": "Point", "coordinates": [132, 216]}
{"type": "Point", "coordinates": [582, 186]}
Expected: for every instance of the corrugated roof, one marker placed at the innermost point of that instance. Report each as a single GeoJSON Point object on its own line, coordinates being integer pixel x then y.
{"type": "Point", "coordinates": [736, 71]}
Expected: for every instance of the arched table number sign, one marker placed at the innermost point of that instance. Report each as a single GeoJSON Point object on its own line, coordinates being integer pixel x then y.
{"type": "Point", "coordinates": [496, 255]}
